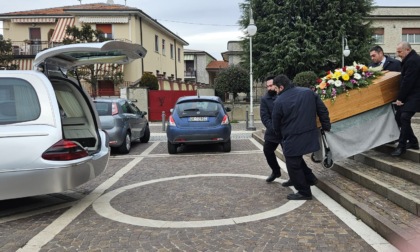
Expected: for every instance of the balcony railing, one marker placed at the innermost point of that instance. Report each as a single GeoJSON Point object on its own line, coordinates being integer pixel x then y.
{"type": "Point", "coordinates": [190, 74]}
{"type": "Point", "coordinates": [29, 47]}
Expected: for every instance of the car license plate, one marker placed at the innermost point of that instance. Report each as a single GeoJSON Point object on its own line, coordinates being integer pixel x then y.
{"type": "Point", "coordinates": [198, 119]}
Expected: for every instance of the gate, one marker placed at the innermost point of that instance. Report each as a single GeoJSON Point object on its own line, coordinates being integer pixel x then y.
{"type": "Point", "coordinates": [160, 100]}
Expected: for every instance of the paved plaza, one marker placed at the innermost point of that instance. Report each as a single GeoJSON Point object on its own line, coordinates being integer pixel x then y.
{"type": "Point", "coordinates": [199, 200]}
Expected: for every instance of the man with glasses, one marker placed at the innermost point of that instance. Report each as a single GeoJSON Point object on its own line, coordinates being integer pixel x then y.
{"type": "Point", "coordinates": [271, 140]}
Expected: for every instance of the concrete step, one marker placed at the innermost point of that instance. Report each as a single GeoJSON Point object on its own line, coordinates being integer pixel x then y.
{"type": "Point", "coordinates": [398, 190]}
{"type": "Point", "coordinates": [412, 155]}
{"type": "Point", "coordinates": [403, 168]}
{"type": "Point", "coordinates": [372, 195]}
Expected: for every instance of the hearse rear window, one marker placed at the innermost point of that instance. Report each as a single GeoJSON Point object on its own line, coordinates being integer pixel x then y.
{"type": "Point", "coordinates": [18, 101]}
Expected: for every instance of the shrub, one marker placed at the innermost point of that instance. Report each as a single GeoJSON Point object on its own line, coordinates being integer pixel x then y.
{"type": "Point", "coordinates": [305, 79]}
{"type": "Point", "coordinates": [150, 81]}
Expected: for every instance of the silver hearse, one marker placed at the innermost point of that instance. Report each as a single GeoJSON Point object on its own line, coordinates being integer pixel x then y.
{"type": "Point", "coordinates": [50, 134]}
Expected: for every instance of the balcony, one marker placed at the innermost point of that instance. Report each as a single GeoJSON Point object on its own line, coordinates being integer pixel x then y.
{"type": "Point", "coordinates": [190, 74]}
{"type": "Point", "coordinates": [29, 47]}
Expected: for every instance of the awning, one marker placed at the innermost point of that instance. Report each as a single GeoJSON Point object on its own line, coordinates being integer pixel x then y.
{"type": "Point", "coordinates": [104, 20]}
{"type": "Point", "coordinates": [23, 64]}
{"type": "Point", "coordinates": [106, 70]}
{"type": "Point", "coordinates": [60, 29]}
{"type": "Point", "coordinates": [33, 20]}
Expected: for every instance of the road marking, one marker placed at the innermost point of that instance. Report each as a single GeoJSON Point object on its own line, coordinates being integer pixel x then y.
{"type": "Point", "coordinates": [104, 208]}
{"type": "Point", "coordinates": [247, 152]}
{"type": "Point", "coordinates": [359, 227]}
{"type": "Point", "coordinates": [47, 234]}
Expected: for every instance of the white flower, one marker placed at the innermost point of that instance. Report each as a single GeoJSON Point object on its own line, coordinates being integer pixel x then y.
{"type": "Point", "coordinates": [357, 76]}
{"type": "Point", "coordinates": [338, 83]}
{"type": "Point", "coordinates": [331, 82]}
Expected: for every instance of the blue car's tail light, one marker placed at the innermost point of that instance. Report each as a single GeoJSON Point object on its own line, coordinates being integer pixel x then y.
{"type": "Point", "coordinates": [225, 120]}
{"type": "Point", "coordinates": [65, 150]}
{"type": "Point", "coordinates": [171, 121]}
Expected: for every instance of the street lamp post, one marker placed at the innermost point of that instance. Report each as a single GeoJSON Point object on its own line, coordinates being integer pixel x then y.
{"type": "Point", "coordinates": [345, 51]}
{"type": "Point", "coordinates": [251, 30]}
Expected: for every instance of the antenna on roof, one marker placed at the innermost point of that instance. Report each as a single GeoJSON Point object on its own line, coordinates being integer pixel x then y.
{"type": "Point", "coordinates": [80, 1]}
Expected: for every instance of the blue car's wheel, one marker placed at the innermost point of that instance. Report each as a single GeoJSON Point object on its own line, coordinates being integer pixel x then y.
{"type": "Point", "coordinates": [145, 138]}
{"type": "Point", "coordinates": [172, 148]}
{"type": "Point", "coordinates": [227, 146]}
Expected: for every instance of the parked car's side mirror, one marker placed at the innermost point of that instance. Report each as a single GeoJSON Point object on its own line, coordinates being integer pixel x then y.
{"type": "Point", "coordinates": [228, 109]}
{"type": "Point", "coordinates": [171, 110]}
{"type": "Point", "coordinates": [144, 113]}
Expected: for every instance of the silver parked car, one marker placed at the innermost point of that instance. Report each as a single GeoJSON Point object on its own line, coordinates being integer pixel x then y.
{"type": "Point", "coordinates": [123, 121]}
{"type": "Point", "coordinates": [50, 135]}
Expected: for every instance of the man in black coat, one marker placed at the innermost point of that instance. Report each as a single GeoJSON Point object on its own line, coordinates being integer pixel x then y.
{"type": "Point", "coordinates": [294, 115]}
{"type": "Point", "coordinates": [408, 100]}
{"type": "Point", "coordinates": [271, 140]}
{"type": "Point", "coordinates": [379, 59]}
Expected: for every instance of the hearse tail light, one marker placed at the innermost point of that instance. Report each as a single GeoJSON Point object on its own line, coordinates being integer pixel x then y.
{"type": "Point", "coordinates": [65, 150]}
{"type": "Point", "coordinates": [114, 108]}
{"type": "Point", "coordinates": [171, 121]}
{"type": "Point", "coordinates": [225, 120]}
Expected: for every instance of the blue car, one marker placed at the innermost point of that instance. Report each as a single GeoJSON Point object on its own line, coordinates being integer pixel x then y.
{"type": "Point", "coordinates": [198, 120]}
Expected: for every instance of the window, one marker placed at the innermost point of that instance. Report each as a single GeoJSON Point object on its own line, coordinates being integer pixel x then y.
{"type": "Point", "coordinates": [106, 29]}
{"type": "Point", "coordinates": [378, 35]}
{"type": "Point", "coordinates": [172, 51]}
{"type": "Point", "coordinates": [18, 101]}
{"type": "Point", "coordinates": [179, 54]}
{"type": "Point", "coordinates": [411, 35]}
{"type": "Point", "coordinates": [163, 47]}
{"type": "Point", "coordinates": [156, 43]}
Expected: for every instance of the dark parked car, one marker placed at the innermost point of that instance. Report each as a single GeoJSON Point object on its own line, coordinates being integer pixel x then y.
{"type": "Point", "coordinates": [123, 121]}
{"type": "Point", "coordinates": [198, 120]}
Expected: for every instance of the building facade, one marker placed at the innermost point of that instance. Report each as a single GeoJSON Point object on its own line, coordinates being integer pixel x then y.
{"type": "Point", "coordinates": [395, 24]}
{"type": "Point", "coordinates": [36, 30]}
{"type": "Point", "coordinates": [195, 63]}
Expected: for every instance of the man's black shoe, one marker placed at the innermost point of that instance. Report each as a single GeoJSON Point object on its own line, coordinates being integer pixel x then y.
{"type": "Point", "coordinates": [287, 183]}
{"type": "Point", "coordinates": [413, 146]}
{"type": "Point", "coordinates": [398, 152]}
{"type": "Point", "coordinates": [313, 182]}
{"type": "Point", "coordinates": [272, 177]}
{"type": "Point", "coordinates": [298, 196]}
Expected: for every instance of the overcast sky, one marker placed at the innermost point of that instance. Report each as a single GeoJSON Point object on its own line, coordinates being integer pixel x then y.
{"type": "Point", "coordinates": [205, 24]}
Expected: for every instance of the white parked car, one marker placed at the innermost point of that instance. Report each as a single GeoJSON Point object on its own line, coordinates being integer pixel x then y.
{"type": "Point", "coordinates": [50, 134]}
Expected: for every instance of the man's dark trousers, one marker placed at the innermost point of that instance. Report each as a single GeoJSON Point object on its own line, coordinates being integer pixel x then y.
{"type": "Point", "coordinates": [269, 152]}
{"type": "Point", "coordinates": [300, 174]}
{"type": "Point", "coordinates": [403, 119]}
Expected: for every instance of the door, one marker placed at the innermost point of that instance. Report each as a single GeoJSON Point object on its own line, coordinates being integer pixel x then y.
{"type": "Point", "coordinates": [35, 40]}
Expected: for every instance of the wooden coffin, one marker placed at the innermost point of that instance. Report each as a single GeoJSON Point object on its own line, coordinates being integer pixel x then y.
{"type": "Point", "coordinates": [383, 90]}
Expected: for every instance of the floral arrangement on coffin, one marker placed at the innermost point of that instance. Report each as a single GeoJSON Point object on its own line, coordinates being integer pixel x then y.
{"type": "Point", "coordinates": [344, 79]}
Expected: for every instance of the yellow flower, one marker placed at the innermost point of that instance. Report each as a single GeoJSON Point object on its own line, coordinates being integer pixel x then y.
{"type": "Point", "coordinates": [345, 77]}
{"type": "Point", "coordinates": [337, 74]}
{"type": "Point", "coordinates": [329, 76]}
{"type": "Point", "coordinates": [350, 72]}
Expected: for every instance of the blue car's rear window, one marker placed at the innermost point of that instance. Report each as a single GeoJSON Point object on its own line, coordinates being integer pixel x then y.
{"type": "Point", "coordinates": [198, 108]}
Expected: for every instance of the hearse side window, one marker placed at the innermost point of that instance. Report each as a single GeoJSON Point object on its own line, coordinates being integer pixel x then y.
{"type": "Point", "coordinates": [18, 101]}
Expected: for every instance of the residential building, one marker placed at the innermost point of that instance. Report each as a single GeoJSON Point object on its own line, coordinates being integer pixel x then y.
{"type": "Point", "coordinates": [195, 63]}
{"type": "Point", "coordinates": [213, 68]}
{"type": "Point", "coordinates": [35, 30]}
{"type": "Point", "coordinates": [395, 24]}
{"type": "Point", "coordinates": [234, 53]}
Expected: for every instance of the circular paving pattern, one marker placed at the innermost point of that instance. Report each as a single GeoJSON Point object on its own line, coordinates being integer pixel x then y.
{"type": "Point", "coordinates": [104, 208]}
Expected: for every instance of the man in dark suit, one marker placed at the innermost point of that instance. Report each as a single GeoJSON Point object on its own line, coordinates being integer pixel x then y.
{"type": "Point", "coordinates": [408, 100]}
{"type": "Point", "coordinates": [379, 59]}
{"type": "Point", "coordinates": [294, 115]}
{"type": "Point", "coordinates": [271, 140]}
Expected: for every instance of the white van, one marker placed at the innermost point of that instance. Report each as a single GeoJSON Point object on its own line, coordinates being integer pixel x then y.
{"type": "Point", "coordinates": [50, 134]}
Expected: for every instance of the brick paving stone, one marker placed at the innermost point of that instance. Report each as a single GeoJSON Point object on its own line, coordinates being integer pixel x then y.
{"type": "Point", "coordinates": [311, 227]}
